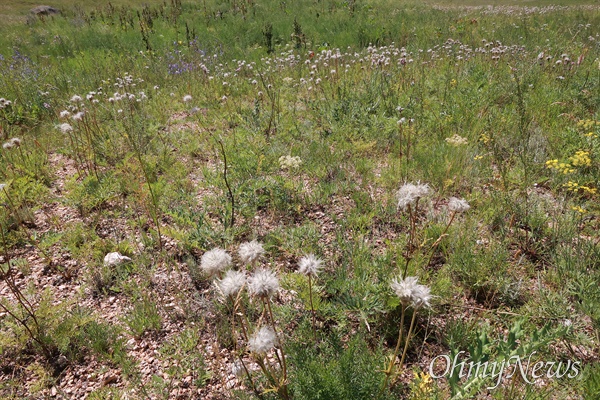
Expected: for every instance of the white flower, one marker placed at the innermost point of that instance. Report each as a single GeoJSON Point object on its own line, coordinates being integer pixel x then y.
{"type": "Point", "coordinates": [405, 288]}
{"type": "Point", "coordinates": [456, 140]}
{"type": "Point", "coordinates": [214, 261]}
{"type": "Point", "coordinates": [78, 116]}
{"type": "Point", "coordinates": [421, 297]}
{"type": "Point", "coordinates": [309, 265]}
{"type": "Point", "coordinates": [409, 193]}
{"type": "Point", "coordinates": [232, 283]}
{"type": "Point", "coordinates": [75, 99]}
{"type": "Point", "coordinates": [65, 114]}
{"type": "Point", "coordinates": [289, 162]}
{"type": "Point", "coordinates": [66, 128]}
{"type": "Point", "coordinates": [2, 186]}
{"type": "Point", "coordinates": [187, 98]}
{"type": "Point", "coordinates": [410, 292]}
{"type": "Point", "coordinates": [263, 283]}
{"type": "Point", "coordinates": [250, 251]}
{"type": "Point", "coordinates": [458, 205]}
{"type": "Point", "coordinates": [263, 340]}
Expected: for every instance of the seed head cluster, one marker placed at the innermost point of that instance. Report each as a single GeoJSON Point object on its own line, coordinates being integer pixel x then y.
{"type": "Point", "coordinates": [214, 261]}
{"type": "Point", "coordinates": [263, 340]}
{"type": "Point", "coordinates": [263, 283]}
{"type": "Point", "coordinates": [458, 205]}
{"type": "Point", "coordinates": [232, 283]}
{"type": "Point", "coordinates": [249, 252]}
{"type": "Point", "coordinates": [410, 292]}
{"type": "Point", "coordinates": [409, 193]}
{"type": "Point", "coordinates": [310, 265]}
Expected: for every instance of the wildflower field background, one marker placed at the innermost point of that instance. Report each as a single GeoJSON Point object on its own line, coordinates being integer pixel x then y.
{"type": "Point", "coordinates": [236, 199]}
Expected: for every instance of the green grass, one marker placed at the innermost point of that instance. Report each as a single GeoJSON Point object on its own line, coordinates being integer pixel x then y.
{"type": "Point", "coordinates": [368, 96]}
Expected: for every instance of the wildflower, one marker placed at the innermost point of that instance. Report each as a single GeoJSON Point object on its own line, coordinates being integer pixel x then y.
{"type": "Point", "coordinates": [215, 260]}
{"type": "Point", "coordinates": [263, 340]}
{"type": "Point", "coordinates": [289, 162]}
{"type": "Point", "coordinates": [187, 98]}
{"type": "Point", "coordinates": [410, 292]}
{"type": "Point", "coordinates": [421, 297]}
{"type": "Point", "coordinates": [405, 289]}
{"type": "Point", "coordinates": [232, 283]}
{"type": "Point", "coordinates": [78, 116]}
{"type": "Point", "coordinates": [263, 283]}
{"type": "Point", "coordinates": [409, 194]}
{"type": "Point", "coordinates": [309, 265]}
{"type": "Point", "coordinates": [581, 158]}
{"type": "Point", "coordinates": [458, 205]}
{"type": "Point", "coordinates": [76, 98]}
{"type": "Point", "coordinates": [456, 140]}
{"type": "Point", "coordinates": [250, 251]}
{"type": "Point", "coordinates": [65, 114]}
{"type": "Point", "coordinates": [2, 186]}
{"type": "Point", "coordinates": [66, 128]}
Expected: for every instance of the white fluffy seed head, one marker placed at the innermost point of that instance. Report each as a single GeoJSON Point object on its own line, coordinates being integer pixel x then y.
{"type": "Point", "coordinates": [458, 205]}
{"type": "Point", "coordinates": [263, 340]}
{"type": "Point", "coordinates": [214, 261]}
{"type": "Point", "coordinates": [409, 193]}
{"type": "Point", "coordinates": [410, 292]}
{"type": "Point", "coordinates": [310, 265]}
{"type": "Point", "coordinates": [263, 283]}
{"type": "Point", "coordinates": [66, 128]}
{"type": "Point", "coordinates": [421, 297]}
{"type": "Point", "coordinates": [232, 283]}
{"type": "Point", "coordinates": [405, 288]}
{"type": "Point", "coordinates": [78, 116]}
{"type": "Point", "coordinates": [187, 98]}
{"type": "Point", "coordinates": [249, 252]}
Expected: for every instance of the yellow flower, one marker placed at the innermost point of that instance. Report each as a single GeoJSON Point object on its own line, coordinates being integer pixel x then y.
{"type": "Point", "coordinates": [578, 209]}
{"type": "Point", "coordinates": [581, 158]}
{"type": "Point", "coordinates": [484, 138]}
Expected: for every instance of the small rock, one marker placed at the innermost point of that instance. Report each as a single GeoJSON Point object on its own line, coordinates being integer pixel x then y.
{"type": "Point", "coordinates": [114, 259]}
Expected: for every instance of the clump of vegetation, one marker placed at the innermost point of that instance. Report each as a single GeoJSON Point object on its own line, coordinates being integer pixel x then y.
{"type": "Point", "coordinates": [313, 199]}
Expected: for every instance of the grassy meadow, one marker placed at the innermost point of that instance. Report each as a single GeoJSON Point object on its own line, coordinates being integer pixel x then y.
{"type": "Point", "coordinates": [274, 175]}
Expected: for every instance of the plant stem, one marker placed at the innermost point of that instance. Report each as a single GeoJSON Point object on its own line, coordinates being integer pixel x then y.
{"type": "Point", "coordinates": [388, 371]}
{"type": "Point", "coordinates": [312, 308]}
{"type": "Point", "coordinates": [231, 198]}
